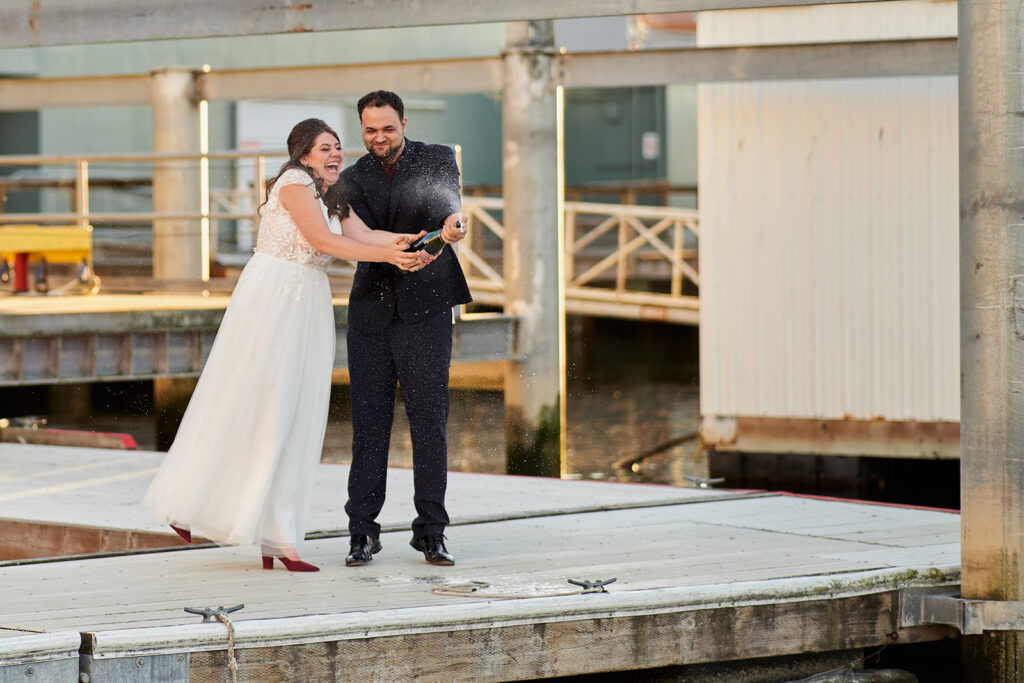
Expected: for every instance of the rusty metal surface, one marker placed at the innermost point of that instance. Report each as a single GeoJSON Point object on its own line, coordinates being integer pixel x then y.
{"type": "Point", "coordinates": [879, 438]}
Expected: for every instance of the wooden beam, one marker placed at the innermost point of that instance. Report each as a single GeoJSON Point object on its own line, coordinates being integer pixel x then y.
{"type": "Point", "coordinates": [571, 647]}
{"type": "Point", "coordinates": [991, 326]}
{"type": "Point", "coordinates": [633, 630]}
{"type": "Point", "coordinates": [23, 539]}
{"type": "Point", "coordinates": [847, 437]}
{"type": "Point", "coordinates": [76, 22]}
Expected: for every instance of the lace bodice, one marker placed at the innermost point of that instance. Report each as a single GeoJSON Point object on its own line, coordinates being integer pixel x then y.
{"type": "Point", "coordinates": [279, 236]}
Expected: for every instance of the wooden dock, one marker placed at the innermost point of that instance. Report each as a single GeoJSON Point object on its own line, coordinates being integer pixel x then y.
{"type": "Point", "coordinates": [108, 337]}
{"type": "Point", "coordinates": [702, 576]}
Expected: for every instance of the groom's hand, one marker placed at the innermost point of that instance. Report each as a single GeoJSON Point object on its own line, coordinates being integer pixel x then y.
{"type": "Point", "coordinates": [454, 228]}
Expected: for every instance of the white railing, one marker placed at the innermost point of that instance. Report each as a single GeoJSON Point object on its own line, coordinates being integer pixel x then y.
{"type": "Point", "coordinates": [81, 214]}
{"type": "Point", "coordinates": [620, 260]}
{"type": "Point", "coordinates": [614, 255]}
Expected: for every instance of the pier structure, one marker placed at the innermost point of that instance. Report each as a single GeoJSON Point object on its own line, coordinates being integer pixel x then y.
{"type": "Point", "coordinates": [984, 92]}
{"type": "Point", "coordinates": [528, 72]}
{"type": "Point", "coordinates": [113, 337]}
{"type": "Point", "coordinates": [991, 342]}
{"type": "Point", "coordinates": [706, 582]}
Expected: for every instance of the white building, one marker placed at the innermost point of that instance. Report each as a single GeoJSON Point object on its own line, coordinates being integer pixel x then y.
{"type": "Point", "coordinates": [828, 252]}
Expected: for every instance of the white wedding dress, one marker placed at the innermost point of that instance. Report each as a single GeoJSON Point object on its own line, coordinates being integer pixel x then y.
{"type": "Point", "coordinates": [240, 470]}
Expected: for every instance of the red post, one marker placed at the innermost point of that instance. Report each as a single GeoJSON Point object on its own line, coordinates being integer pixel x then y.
{"type": "Point", "coordinates": [21, 272]}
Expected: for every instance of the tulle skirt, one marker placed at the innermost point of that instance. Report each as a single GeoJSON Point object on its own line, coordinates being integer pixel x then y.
{"type": "Point", "coordinates": [240, 470]}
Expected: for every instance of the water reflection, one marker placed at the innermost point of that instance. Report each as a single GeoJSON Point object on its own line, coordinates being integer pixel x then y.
{"type": "Point", "coordinates": [631, 385]}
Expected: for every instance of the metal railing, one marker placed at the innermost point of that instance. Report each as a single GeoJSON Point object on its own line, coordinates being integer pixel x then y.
{"type": "Point", "coordinates": [620, 260]}
{"type": "Point", "coordinates": [81, 213]}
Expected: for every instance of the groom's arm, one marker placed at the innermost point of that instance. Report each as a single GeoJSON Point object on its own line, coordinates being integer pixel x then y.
{"type": "Point", "coordinates": [354, 193]}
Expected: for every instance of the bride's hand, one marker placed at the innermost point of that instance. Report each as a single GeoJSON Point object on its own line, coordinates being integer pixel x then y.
{"type": "Point", "coordinates": [398, 256]}
{"type": "Point", "coordinates": [424, 256]}
{"type": "Point", "coordinates": [409, 238]}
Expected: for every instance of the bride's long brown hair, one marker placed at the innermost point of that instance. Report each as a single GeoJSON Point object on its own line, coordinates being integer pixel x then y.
{"type": "Point", "coordinates": [300, 142]}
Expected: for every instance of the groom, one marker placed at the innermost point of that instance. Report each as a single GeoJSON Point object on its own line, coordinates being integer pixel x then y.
{"type": "Point", "coordinates": [400, 326]}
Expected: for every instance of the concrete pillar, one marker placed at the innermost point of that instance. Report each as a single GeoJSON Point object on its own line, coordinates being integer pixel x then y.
{"type": "Point", "coordinates": [180, 249]}
{"type": "Point", "coordinates": [532, 183]}
{"type": "Point", "coordinates": [991, 97]}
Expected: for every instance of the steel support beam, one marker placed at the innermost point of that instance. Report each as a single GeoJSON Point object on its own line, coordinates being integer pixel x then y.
{"type": "Point", "coordinates": [863, 59]}
{"type": "Point", "coordinates": [24, 23]}
{"type": "Point", "coordinates": [920, 606]}
{"type": "Point", "coordinates": [991, 96]}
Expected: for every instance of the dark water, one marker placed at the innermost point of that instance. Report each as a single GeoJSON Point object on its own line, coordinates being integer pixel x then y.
{"type": "Point", "coordinates": [631, 385]}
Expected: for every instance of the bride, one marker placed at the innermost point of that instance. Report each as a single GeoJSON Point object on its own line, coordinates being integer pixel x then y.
{"type": "Point", "coordinates": [240, 470]}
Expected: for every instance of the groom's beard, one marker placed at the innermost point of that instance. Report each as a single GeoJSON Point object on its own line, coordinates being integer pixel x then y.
{"type": "Point", "coordinates": [392, 153]}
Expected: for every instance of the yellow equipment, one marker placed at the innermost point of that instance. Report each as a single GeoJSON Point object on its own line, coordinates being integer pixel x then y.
{"type": "Point", "coordinates": [24, 246]}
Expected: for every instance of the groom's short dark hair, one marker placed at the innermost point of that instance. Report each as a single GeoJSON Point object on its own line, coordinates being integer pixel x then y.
{"type": "Point", "coordinates": [381, 98]}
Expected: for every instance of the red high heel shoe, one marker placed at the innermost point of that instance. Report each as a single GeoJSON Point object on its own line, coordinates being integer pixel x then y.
{"type": "Point", "coordinates": [291, 565]}
{"type": "Point", "coordinates": [184, 533]}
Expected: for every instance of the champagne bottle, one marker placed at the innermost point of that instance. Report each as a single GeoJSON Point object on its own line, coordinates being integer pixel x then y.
{"type": "Point", "coordinates": [431, 242]}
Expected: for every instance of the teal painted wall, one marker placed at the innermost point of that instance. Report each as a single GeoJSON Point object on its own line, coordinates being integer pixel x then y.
{"type": "Point", "coordinates": [129, 129]}
{"type": "Point", "coordinates": [19, 134]}
{"type": "Point", "coordinates": [604, 127]}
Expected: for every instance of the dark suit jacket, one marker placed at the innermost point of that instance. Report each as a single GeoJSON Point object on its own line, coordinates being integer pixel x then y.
{"type": "Point", "coordinates": [424, 192]}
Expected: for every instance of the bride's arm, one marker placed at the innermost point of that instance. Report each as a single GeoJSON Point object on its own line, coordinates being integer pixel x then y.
{"type": "Point", "coordinates": [353, 226]}
{"type": "Point", "coordinates": [301, 202]}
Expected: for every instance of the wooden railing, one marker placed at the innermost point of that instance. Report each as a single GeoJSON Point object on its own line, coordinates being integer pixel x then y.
{"type": "Point", "coordinates": [620, 260]}
{"type": "Point", "coordinates": [644, 191]}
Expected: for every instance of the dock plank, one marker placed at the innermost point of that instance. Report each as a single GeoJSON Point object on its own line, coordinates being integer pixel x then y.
{"type": "Point", "coordinates": [103, 488]}
{"type": "Point", "coordinates": [644, 548]}
{"type": "Point", "coordinates": [702, 575]}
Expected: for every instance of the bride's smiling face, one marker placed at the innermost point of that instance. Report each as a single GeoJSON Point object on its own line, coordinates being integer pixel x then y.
{"type": "Point", "coordinates": [325, 158]}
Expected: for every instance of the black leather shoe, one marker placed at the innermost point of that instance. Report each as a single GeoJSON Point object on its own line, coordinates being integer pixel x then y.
{"type": "Point", "coordinates": [433, 549]}
{"type": "Point", "coordinates": [362, 550]}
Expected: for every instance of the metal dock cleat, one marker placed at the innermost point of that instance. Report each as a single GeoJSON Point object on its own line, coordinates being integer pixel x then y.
{"type": "Point", "coordinates": [592, 586]}
{"type": "Point", "coordinates": [210, 615]}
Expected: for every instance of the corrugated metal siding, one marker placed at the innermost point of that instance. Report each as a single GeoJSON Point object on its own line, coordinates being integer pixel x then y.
{"type": "Point", "coordinates": [829, 221]}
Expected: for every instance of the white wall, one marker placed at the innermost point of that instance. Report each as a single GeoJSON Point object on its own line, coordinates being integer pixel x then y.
{"type": "Point", "coordinates": [829, 222]}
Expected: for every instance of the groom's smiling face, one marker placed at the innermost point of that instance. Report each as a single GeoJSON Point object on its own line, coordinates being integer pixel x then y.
{"type": "Point", "coordinates": [383, 132]}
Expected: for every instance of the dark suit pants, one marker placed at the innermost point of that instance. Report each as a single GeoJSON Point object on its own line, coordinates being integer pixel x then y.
{"type": "Point", "coordinates": [417, 356]}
